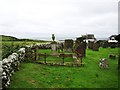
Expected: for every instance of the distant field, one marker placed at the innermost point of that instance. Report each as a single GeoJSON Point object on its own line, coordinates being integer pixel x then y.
{"type": "Point", "coordinates": [33, 75]}
{"type": "Point", "coordinates": [8, 47]}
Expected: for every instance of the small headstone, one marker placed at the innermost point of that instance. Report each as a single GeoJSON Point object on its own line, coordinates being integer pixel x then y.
{"type": "Point", "coordinates": [112, 56]}
{"type": "Point", "coordinates": [68, 45]}
{"type": "Point", "coordinates": [54, 46]}
{"type": "Point", "coordinates": [96, 46]}
{"type": "Point", "coordinates": [103, 63]}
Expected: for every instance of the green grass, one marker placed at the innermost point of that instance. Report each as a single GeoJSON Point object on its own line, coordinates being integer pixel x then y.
{"type": "Point", "coordinates": [33, 75]}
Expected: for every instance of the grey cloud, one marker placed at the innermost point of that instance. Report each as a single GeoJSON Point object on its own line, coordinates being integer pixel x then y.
{"type": "Point", "coordinates": [65, 18]}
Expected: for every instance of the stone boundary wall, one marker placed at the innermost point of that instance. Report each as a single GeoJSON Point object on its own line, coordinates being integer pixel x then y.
{"type": "Point", "coordinates": [9, 65]}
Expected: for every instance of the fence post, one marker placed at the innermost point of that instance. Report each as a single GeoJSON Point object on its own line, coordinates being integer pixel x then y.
{"type": "Point", "coordinates": [36, 54]}
{"type": "Point", "coordinates": [63, 58]}
{"type": "Point", "coordinates": [45, 58]}
{"type": "Point", "coordinates": [81, 58]}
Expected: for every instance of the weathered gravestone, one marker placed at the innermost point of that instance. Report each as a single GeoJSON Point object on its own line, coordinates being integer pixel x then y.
{"type": "Point", "coordinates": [90, 44]}
{"type": "Point", "coordinates": [60, 47]}
{"type": "Point", "coordinates": [81, 49]}
{"type": "Point", "coordinates": [96, 46]}
{"type": "Point", "coordinates": [54, 46]}
{"type": "Point", "coordinates": [112, 44]}
{"type": "Point", "coordinates": [105, 44]}
{"type": "Point", "coordinates": [68, 45]}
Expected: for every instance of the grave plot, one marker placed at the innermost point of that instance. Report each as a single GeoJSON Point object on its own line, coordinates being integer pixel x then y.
{"type": "Point", "coordinates": [64, 59]}
{"type": "Point", "coordinates": [52, 56]}
{"type": "Point", "coordinates": [56, 55]}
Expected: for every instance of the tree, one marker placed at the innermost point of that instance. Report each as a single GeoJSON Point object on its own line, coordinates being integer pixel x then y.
{"type": "Point", "coordinates": [53, 37]}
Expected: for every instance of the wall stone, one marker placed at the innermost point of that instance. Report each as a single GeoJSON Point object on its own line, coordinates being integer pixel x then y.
{"type": "Point", "coordinates": [10, 65]}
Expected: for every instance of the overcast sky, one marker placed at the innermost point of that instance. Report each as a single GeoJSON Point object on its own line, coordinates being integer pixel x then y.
{"type": "Point", "coordinates": [64, 18]}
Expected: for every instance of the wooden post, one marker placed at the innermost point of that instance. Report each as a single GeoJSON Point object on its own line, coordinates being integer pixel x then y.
{"type": "Point", "coordinates": [45, 58]}
{"type": "Point", "coordinates": [81, 58]}
{"type": "Point", "coordinates": [63, 58]}
{"type": "Point", "coordinates": [36, 54]}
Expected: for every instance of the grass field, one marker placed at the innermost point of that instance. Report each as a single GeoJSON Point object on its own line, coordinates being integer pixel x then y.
{"type": "Point", "coordinates": [8, 47]}
{"type": "Point", "coordinates": [33, 75]}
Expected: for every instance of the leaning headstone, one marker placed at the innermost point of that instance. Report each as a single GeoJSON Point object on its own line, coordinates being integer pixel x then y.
{"type": "Point", "coordinates": [81, 49]}
{"type": "Point", "coordinates": [96, 46]}
{"type": "Point", "coordinates": [68, 45]}
{"type": "Point", "coordinates": [90, 44]}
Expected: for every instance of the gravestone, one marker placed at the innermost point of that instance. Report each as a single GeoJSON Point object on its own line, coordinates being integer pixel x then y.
{"type": "Point", "coordinates": [112, 45]}
{"type": "Point", "coordinates": [90, 44]}
{"type": "Point", "coordinates": [105, 44]}
{"type": "Point", "coordinates": [96, 46]}
{"type": "Point", "coordinates": [68, 45]}
{"type": "Point", "coordinates": [54, 46]}
{"type": "Point", "coordinates": [81, 50]}
{"type": "Point", "coordinates": [60, 47]}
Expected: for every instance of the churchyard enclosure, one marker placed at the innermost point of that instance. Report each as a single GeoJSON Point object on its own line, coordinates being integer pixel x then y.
{"type": "Point", "coordinates": [33, 75]}
{"type": "Point", "coordinates": [49, 73]}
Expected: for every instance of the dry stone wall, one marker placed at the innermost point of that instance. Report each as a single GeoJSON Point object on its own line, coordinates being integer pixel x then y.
{"type": "Point", "coordinates": [9, 65]}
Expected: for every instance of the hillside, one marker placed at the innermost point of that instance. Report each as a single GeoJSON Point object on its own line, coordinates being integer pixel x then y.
{"type": "Point", "coordinates": [8, 38]}
{"type": "Point", "coordinates": [11, 38]}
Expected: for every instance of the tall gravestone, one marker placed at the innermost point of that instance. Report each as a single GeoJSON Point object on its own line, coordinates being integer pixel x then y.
{"type": "Point", "coordinates": [68, 45]}
{"type": "Point", "coordinates": [90, 44]}
{"type": "Point", "coordinates": [54, 46]}
{"type": "Point", "coordinates": [96, 46]}
{"type": "Point", "coordinates": [81, 49]}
